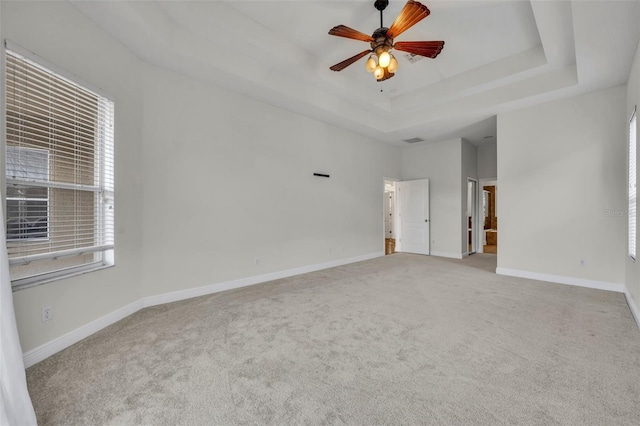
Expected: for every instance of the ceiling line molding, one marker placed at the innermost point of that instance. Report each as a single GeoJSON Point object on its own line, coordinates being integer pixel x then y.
{"type": "Point", "coordinates": [280, 56]}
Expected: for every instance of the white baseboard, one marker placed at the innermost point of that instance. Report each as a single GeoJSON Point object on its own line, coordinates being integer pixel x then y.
{"type": "Point", "coordinates": [561, 279]}
{"type": "Point", "coordinates": [45, 350]}
{"type": "Point", "coordinates": [445, 254]}
{"type": "Point", "coordinates": [632, 306]}
{"type": "Point", "coordinates": [257, 279]}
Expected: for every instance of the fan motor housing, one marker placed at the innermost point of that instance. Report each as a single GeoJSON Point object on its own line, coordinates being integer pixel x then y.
{"type": "Point", "coordinates": [380, 40]}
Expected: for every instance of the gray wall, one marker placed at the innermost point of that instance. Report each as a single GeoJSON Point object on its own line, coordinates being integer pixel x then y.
{"type": "Point", "coordinates": [441, 163]}
{"type": "Point", "coordinates": [561, 174]}
{"type": "Point", "coordinates": [206, 181]}
{"type": "Point", "coordinates": [228, 179]}
{"type": "Point", "coordinates": [488, 161]}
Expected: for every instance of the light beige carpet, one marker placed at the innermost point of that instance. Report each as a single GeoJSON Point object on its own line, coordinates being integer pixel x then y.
{"type": "Point", "coordinates": [402, 339]}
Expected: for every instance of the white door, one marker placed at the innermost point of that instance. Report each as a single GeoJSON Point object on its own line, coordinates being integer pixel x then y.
{"type": "Point", "coordinates": [389, 207]}
{"type": "Point", "coordinates": [413, 196]}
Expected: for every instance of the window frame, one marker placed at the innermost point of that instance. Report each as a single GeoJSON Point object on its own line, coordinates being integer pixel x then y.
{"type": "Point", "coordinates": [632, 185]}
{"type": "Point", "coordinates": [103, 188]}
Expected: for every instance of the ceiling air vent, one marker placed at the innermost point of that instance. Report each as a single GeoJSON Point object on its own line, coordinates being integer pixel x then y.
{"type": "Point", "coordinates": [414, 140]}
{"type": "Point", "coordinates": [413, 58]}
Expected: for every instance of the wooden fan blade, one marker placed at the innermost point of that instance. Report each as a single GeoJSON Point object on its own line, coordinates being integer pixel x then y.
{"type": "Point", "coordinates": [412, 13]}
{"type": "Point", "coordinates": [344, 31]}
{"type": "Point", "coordinates": [342, 65]}
{"type": "Point", "coordinates": [430, 49]}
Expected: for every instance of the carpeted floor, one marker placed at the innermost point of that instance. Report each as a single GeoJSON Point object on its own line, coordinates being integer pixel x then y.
{"type": "Point", "coordinates": [401, 339]}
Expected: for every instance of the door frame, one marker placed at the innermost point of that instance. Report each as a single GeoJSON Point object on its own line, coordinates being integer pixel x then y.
{"type": "Point", "coordinates": [475, 222]}
{"type": "Point", "coordinates": [481, 184]}
{"type": "Point", "coordinates": [395, 210]}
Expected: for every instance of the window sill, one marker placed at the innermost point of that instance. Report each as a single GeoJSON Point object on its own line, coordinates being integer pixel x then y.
{"type": "Point", "coordinates": [25, 283]}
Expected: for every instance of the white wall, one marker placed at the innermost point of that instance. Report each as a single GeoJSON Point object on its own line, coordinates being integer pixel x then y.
{"type": "Point", "coordinates": [632, 269]}
{"type": "Point", "coordinates": [58, 33]}
{"type": "Point", "coordinates": [441, 163]}
{"type": "Point", "coordinates": [206, 181]}
{"type": "Point", "coordinates": [228, 179]}
{"type": "Point", "coordinates": [488, 161]}
{"type": "Point", "coordinates": [561, 177]}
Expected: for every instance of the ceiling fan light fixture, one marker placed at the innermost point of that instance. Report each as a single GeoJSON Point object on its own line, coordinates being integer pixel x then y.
{"type": "Point", "coordinates": [384, 59]}
{"type": "Point", "coordinates": [382, 41]}
{"type": "Point", "coordinates": [371, 64]}
{"type": "Point", "coordinates": [378, 73]}
{"type": "Point", "coordinates": [393, 65]}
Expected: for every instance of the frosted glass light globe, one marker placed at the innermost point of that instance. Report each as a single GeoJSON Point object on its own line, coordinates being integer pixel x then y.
{"type": "Point", "coordinates": [371, 64]}
{"type": "Point", "coordinates": [384, 59]}
{"type": "Point", "coordinates": [393, 65]}
{"type": "Point", "coordinates": [378, 73]}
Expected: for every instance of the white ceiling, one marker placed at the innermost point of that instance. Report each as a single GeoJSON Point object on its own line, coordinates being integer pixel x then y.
{"type": "Point", "coordinates": [499, 55]}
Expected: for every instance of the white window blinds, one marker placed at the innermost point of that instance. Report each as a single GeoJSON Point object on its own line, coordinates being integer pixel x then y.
{"type": "Point", "coordinates": [632, 186]}
{"type": "Point", "coordinates": [59, 173]}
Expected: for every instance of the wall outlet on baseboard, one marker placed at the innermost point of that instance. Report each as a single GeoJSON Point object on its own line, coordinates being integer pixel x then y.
{"type": "Point", "coordinates": [46, 313]}
{"type": "Point", "coordinates": [433, 241]}
{"type": "Point", "coordinates": [257, 260]}
{"type": "Point", "coordinates": [582, 262]}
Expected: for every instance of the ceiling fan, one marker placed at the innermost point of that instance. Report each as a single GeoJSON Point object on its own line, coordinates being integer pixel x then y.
{"type": "Point", "coordinates": [381, 41]}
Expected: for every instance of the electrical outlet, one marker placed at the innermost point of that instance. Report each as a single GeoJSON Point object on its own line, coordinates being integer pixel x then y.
{"type": "Point", "coordinates": [47, 313]}
{"type": "Point", "coordinates": [257, 260]}
{"type": "Point", "coordinates": [582, 262]}
{"type": "Point", "coordinates": [433, 241]}
{"type": "Point", "coordinates": [330, 250]}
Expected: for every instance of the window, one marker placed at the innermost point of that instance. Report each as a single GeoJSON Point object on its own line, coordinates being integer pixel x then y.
{"type": "Point", "coordinates": [59, 173]}
{"type": "Point", "coordinates": [632, 186]}
{"type": "Point", "coordinates": [27, 208]}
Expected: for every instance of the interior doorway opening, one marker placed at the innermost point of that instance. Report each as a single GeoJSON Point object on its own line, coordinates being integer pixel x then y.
{"type": "Point", "coordinates": [490, 228]}
{"type": "Point", "coordinates": [472, 214]}
{"type": "Point", "coordinates": [389, 217]}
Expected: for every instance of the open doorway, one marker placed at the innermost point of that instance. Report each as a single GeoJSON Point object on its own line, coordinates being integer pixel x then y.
{"type": "Point", "coordinates": [389, 217]}
{"type": "Point", "coordinates": [489, 202]}
{"type": "Point", "coordinates": [472, 211]}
